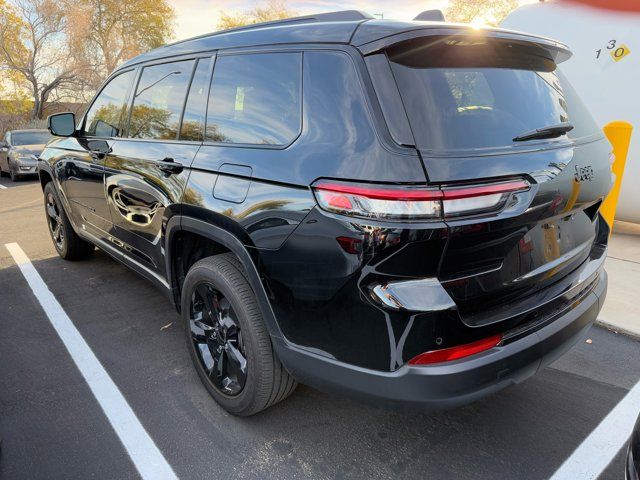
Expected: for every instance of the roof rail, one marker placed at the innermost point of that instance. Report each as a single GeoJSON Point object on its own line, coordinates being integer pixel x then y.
{"type": "Point", "coordinates": [339, 16]}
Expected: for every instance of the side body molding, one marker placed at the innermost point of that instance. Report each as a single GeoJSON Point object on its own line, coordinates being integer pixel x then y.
{"type": "Point", "coordinates": [179, 223]}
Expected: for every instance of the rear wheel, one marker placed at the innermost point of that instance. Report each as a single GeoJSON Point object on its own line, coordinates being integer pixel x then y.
{"type": "Point", "coordinates": [66, 241]}
{"type": "Point", "coordinates": [227, 338]}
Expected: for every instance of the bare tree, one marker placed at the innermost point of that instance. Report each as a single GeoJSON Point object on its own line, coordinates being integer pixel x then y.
{"type": "Point", "coordinates": [35, 48]}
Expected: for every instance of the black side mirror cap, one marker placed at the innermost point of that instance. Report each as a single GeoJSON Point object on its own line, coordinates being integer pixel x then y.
{"type": "Point", "coordinates": [62, 124]}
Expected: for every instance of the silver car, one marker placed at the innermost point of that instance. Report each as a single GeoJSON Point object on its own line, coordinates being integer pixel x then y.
{"type": "Point", "coordinates": [19, 152]}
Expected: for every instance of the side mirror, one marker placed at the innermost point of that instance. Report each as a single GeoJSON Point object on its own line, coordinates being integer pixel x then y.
{"type": "Point", "coordinates": [62, 124]}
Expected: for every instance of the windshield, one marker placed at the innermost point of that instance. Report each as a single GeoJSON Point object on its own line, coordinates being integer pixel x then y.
{"type": "Point", "coordinates": [476, 93]}
{"type": "Point", "coordinates": [30, 138]}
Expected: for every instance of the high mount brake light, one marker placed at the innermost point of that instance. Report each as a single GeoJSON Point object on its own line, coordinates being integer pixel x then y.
{"type": "Point", "coordinates": [414, 203]}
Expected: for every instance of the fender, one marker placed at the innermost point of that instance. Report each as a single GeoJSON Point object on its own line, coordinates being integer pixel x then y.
{"type": "Point", "coordinates": [179, 223]}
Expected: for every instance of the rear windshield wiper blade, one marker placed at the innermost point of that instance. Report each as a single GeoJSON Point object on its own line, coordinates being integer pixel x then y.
{"type": "Point", "coordinates": [552, 131]}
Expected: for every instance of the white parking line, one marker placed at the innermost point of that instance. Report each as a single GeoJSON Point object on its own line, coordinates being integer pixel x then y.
{"type": "Point", "coordinates": [2, 187]}
{"type": "Point", "coordinates": [144, 453]}
{"type": "Point", "coordinates": [597, 451]}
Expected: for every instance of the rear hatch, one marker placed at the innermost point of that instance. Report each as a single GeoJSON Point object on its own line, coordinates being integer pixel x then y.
{"type": "Point", "coordinates": [478, 107]}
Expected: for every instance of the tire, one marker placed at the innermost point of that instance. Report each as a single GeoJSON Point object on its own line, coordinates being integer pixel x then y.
{"type": "Point", "coordinates": [13, 175]}
{"type": "Point", "coordinates": [266, 381]}
{"type": "Point", "coordinates": [65, 240]}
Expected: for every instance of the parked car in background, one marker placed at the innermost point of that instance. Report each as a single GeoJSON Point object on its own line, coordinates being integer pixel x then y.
{"type": "Point", "coordinates": [404, 211]}
{"type": "Point", "coordinates": [19, 152]}
{"type": "Point", "coordinates": [633, 454]}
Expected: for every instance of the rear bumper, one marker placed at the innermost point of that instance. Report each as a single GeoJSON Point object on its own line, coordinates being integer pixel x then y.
{"type": "Point", "coordinates": [454, 383]}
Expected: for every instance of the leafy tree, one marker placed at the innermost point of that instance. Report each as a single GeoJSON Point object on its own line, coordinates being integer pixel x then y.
{"type": "Point", "coordinates": [490, 12]}
{"type": "Point", "coordinates": [33, 49]}
{"type": "Point", "coordinates": [112, 31]}
{"type": "Point", "coordinates": [272, 10]}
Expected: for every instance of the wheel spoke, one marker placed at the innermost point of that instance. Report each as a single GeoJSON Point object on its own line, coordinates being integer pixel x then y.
{"type": "Point", "coordinates": [199, 330]}
{"type": "Point", "coordinates": [219, 371]}
{"type": "Point", "coordinates": [207, 359]}
{"type": "Point", "coordinates": [237, 362]}
{"type": "Point", "coordinates": [51, 211]}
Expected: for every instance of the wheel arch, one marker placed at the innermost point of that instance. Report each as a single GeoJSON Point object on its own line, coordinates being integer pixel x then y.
{"type": "Point", "coordinates": [179, 225]}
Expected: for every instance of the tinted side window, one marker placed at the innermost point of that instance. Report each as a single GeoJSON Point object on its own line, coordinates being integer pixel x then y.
{"type": "Point", "coordinates": [193, 119]}
{"type": "Point", "coordinates": [158, 101]}
{"type": "Point", "coordinates": [255, 99]}
{"type": "Point", "coordinates": [104, 117]}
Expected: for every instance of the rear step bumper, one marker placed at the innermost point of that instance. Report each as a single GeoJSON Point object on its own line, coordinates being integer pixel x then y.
{"type": "Point", "coordinates": [448, 385]}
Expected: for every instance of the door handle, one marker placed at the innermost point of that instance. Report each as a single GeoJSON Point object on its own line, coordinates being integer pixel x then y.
{"type": "Point", "coordinates": [169, 166]}
{"type": "Point", "coordinates": [98, 156]}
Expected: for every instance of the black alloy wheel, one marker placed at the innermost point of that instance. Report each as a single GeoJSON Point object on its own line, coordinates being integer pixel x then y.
{"type": "Point", "coordinates": [55, 222]}
{"type": "Point", "coordinates": [217, 338]}
{"type": "Point", "coordinates": [67, 242]}
{"type": "Point", "coordinates": [228, 339]}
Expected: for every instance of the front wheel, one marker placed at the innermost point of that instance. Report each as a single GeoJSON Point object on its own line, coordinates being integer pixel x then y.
{"type": "Point", "coordinates": [228, 340]}
{"type": "Point", "coordinates": [66, 241]}
{"type": "Point", "coordinates": [14, 176]}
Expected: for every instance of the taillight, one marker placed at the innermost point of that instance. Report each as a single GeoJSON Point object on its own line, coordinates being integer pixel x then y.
{"type": "Point", "coordinates": [456, 353]}
{"type": "Point", "coordinates": [479, 199]}
{"type": "Point", "coordinates": [416, 203]}
{"type": "Point", "coordinates": [371, 201]}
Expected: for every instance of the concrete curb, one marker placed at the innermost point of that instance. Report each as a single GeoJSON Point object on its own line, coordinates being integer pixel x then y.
{"type": "Point", "coordinates": [618, 329]}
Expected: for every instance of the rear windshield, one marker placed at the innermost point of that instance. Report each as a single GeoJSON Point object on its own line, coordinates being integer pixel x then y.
{"type": "Point", "coordinates": [472, 93]}
{"type": "Point", "coordinates": [30, 138]}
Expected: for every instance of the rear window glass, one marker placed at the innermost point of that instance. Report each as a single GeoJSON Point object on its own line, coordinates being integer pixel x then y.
{"type": "Point", "coordinates": [473, 94]}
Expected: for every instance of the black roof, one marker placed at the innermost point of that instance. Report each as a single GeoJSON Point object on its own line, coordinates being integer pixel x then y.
{"type": "Point", "coordinates": [345, 27]}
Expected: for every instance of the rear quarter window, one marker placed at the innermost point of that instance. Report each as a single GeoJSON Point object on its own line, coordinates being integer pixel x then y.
{"type": "Point", "coordinates": [255, 99]}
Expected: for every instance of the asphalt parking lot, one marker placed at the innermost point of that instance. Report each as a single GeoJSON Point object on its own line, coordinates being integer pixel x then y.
{"type": "Point", "coordinates": [52, 426]}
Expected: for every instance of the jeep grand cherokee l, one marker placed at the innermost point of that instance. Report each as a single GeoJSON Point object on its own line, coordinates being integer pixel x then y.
{"type": "Point", "coordinates": [403, 211]}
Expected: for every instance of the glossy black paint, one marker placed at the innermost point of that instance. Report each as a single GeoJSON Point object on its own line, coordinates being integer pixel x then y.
{"type": "Point", "coordinates": [534, 267]}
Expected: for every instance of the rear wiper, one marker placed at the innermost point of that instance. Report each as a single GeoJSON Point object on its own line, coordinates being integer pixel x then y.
{"type": "Point", "coordinates": [552, 131]}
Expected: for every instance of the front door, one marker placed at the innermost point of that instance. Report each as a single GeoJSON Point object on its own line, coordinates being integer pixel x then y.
{"type": "Point", "coordinates": [147, 171]}
{"type": "Point", "coordinates": [81, 170]}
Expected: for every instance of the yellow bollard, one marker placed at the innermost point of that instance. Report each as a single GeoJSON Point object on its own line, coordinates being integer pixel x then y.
{"type": "Point", "coordinates": [619, 134]}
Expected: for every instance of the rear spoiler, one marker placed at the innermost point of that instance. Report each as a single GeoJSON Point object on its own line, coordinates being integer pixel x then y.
{"type": "Point", "coordinates": [556, 51]}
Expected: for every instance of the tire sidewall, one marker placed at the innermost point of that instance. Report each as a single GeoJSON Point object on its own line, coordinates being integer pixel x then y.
{"type": "Point", "coordinates": [208, 273]}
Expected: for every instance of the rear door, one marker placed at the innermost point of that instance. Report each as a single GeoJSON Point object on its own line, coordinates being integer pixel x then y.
{"type": "Point", "coordinates": [468, 100]}
{"type": "Point", "coordinates": [147, 171]}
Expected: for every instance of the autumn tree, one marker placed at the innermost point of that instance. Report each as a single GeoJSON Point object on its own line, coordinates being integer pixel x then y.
{"type": "Point", "coordinates": [272, 10]}
{"type": "Point", "coordinates": [33, 48]}
{"type": "Point", "coordinates": [489, 12]}
{"type": "Point", "coordinates": [107, 32]}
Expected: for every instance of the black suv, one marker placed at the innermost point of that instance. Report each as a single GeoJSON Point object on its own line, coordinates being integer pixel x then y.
{"type": "Point", "coordinates": [405, 211]}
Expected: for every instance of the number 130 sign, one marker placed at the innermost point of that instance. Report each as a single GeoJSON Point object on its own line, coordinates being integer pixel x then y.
{"type": "Point", "coordinates": [617, 50]}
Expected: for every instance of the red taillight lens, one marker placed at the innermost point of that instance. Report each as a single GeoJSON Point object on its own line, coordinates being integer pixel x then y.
{"type": "Point", "coordinates": [455, 353]}
{"type": "Point", "coordinates": [419, 203]}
